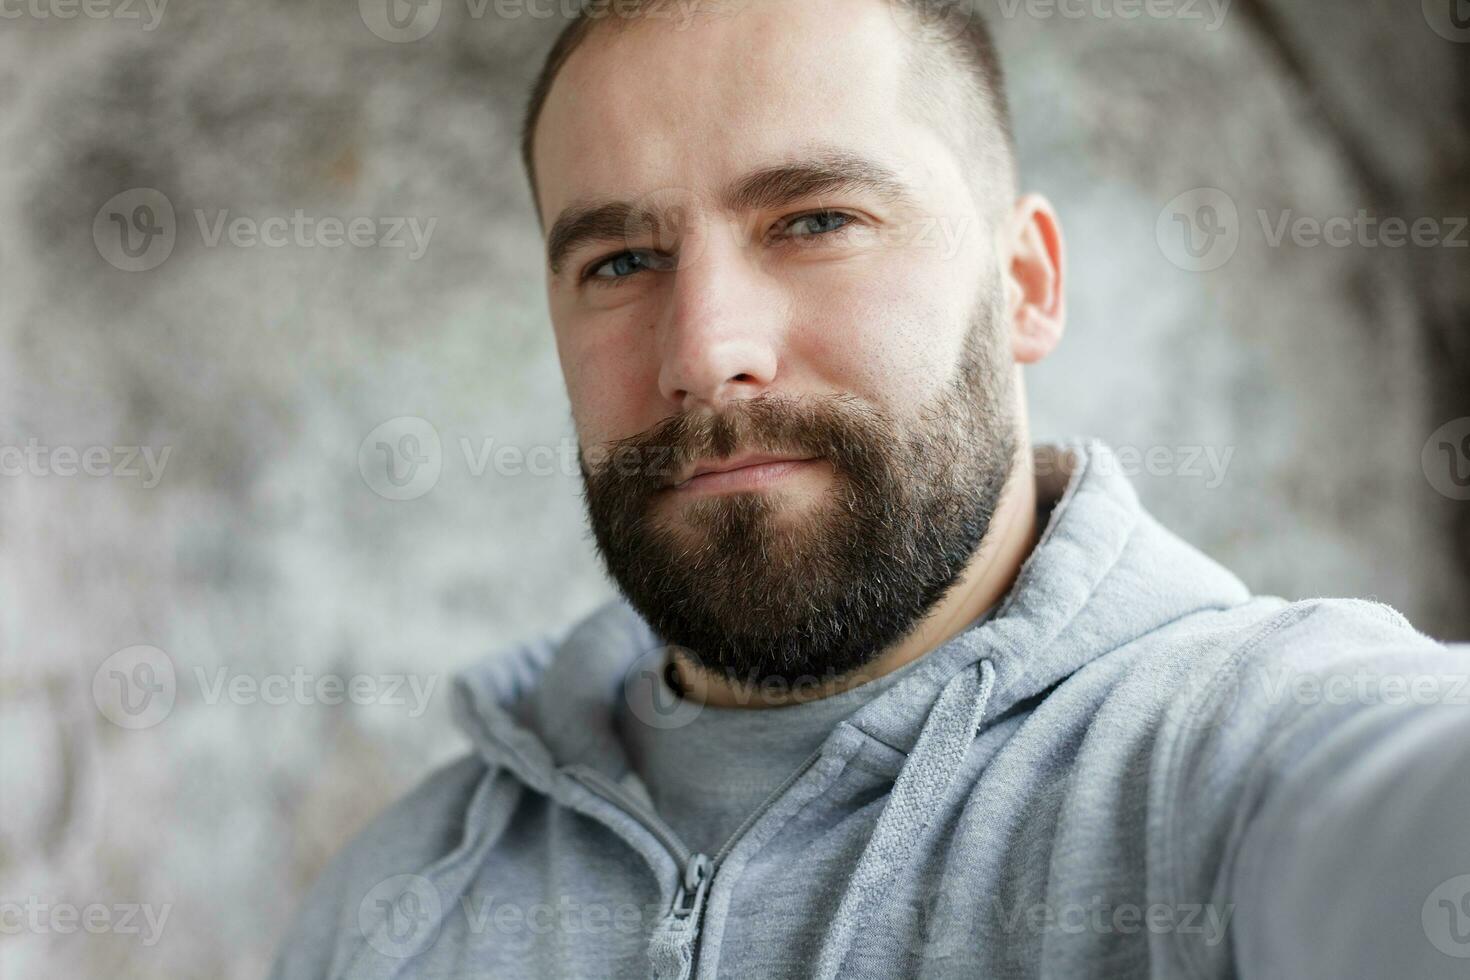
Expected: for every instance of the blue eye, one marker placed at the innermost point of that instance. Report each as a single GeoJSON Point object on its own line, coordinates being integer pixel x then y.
{"type": "Point", "coordinates": [619, 266]}
{"type": "Point", "coordinates": [819, 223]}
{"type": "Point", "coordinates": [624, 265]}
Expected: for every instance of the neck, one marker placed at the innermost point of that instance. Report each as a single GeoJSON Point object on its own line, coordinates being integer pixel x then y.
{"type": "Point", "coordinates": [988, 576]}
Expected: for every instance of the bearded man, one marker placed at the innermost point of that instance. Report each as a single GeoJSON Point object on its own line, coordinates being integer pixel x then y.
{"type": "Point", "coordinates": [888, 691]}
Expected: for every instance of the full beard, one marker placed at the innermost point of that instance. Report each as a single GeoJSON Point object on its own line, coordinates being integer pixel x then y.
{"type": "Point", "coordinates": [754, 593]}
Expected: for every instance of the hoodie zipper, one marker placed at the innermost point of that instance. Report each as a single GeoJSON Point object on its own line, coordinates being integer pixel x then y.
{"type": "Point", "coordinates": [698, 868]}
{"type": "Point", "coordinates": [611, 791]}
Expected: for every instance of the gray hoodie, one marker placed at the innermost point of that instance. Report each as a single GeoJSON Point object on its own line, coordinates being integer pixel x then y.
{"type": "Point", "coordinates": [1124, 772]}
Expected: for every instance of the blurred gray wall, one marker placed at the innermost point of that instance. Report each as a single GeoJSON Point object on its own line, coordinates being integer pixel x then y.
{"type": "Point", "coordinates": [270, 551]}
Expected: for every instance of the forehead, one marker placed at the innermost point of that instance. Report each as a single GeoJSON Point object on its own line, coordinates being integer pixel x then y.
{"type": "Point", "coordinates": [665, 103]}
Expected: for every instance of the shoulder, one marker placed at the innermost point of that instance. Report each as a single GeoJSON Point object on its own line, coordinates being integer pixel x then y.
{"type": "Point", "coordinates": [413, 833]}
{"type": "Point", "coordinates": [1259, 691]}
{"type": "Point", "coordinates": [1228, 682]}
{"type": "Point", "coordinates": [1245, 671]}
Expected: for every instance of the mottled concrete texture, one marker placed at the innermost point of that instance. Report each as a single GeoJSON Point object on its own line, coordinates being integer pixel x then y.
{"type": "Point", "coordinates": [260, 551]}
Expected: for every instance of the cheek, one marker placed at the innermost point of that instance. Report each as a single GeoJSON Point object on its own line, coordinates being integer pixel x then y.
{"type": "Point", "coordinates": [889, 333]}
{"type": "Point", "coordinates": [610, 375]}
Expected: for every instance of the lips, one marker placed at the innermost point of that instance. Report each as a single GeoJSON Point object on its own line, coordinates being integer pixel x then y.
{"type": "Point", "coordinates": [748, 469]}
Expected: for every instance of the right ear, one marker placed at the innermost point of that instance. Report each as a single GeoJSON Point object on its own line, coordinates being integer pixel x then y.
{"type": "Point", "coordinates": [1036, 308]}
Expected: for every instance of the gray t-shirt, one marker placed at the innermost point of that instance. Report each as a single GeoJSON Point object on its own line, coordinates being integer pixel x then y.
{"type": "Point", "coordinates": [704, 778]}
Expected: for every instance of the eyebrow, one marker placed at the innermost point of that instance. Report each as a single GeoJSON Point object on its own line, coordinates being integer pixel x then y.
{"type": "Point", "coordinates": [826, 172]}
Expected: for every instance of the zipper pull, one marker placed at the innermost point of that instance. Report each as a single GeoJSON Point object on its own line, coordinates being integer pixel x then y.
{"type": "Point", "coordinates": [691, 892]}
{"type": "Point", "coordinates": [671, 948]}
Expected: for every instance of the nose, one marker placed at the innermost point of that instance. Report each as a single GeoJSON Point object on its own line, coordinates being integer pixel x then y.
{"type": "Point", "coordinates": [722, 329]}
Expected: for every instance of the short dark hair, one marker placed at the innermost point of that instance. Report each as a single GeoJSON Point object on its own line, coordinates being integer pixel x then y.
{"type": "Point", "coordinates": [953, 28]}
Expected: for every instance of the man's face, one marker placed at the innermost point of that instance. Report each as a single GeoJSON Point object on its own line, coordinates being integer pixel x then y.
{"type": "Point", "coordinates": [845, 312]}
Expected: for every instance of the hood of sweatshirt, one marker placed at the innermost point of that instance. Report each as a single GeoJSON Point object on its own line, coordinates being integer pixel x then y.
{"type": "Point", "coordinates": [1102, 574]}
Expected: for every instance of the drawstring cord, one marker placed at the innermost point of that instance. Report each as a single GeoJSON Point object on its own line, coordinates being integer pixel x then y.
{"type": "Point", "coordinates": [924, 780]}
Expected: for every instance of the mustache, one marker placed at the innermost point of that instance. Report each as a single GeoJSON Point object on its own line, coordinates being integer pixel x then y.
{"type": "Point", "coordinates": [837, 428]}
